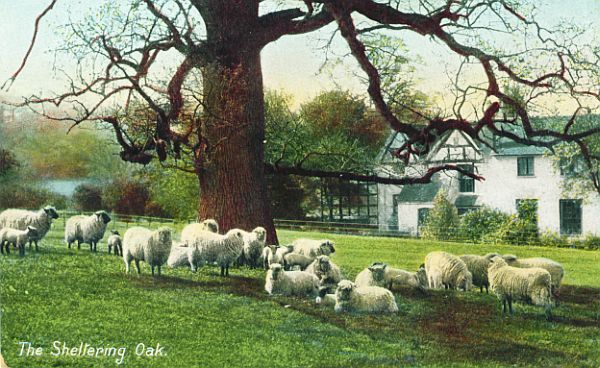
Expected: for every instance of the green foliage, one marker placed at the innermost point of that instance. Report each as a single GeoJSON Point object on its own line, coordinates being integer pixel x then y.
{"type": "Point", "coordinates": [173, 192]}
{"type": "Point", "coordinates": [87, 197]}
{"type": "Point", "coordinates": [19, 195]}
{"type": "Point", "coordinates": [553, 239]}
{"type": "Point", "coordinates": [442, 221]}
{"type": "Point", "coordinates": [480, 225]}
{"type": "Point", "coordinates": [126, 196]}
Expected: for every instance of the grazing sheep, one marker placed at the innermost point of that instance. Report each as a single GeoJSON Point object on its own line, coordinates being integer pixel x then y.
{"type": "Point", "coordinates": [221, 249]}
{"type": "Point", "coordinates": [374, 275]}
{"type": "Point", "coordinates": [141, 244]}
{"type": "Point", "coordinates": [254, 242]}
{"type": "Point", "coordinates": [401, 279]}
{"type": "Point", "coordinates": [283, 282]}
{"type": "Point", "coordinates": [189, 231]}
{"type": "Point", "coordinates": [329, 274]}
{"type": "Point", "coordinates": [366, 299]}
{"type": "Point", "coordinates": [556, 269]}
{"type": "Point", "coordinates": [115, 241]}
{"type": "Point", "coordinates": [528, 285]}
{"type": "Point", "coordinates": [268, 254]}
{"type": "Point", "coordinates": [291, 260]}
{"type": "Point", "coordinates": [18, 238]}
{"type": "Point", "coordinates": [281, 252]}
{"type": "Point", "coordinates": [86, 229]}
{"type": "Point", "coordinates": [20, 219]}
{"type": "Point", "coordinates": [313, 248]}
{"type": "Point", "coordinates": [478, 266]}
{"type": "Point", "coordinates": [447, 270]}
{"type": "Point", "coordinates": [179, 256]}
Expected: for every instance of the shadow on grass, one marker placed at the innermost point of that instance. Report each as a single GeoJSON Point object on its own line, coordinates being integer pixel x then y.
{"type": "Point", "coordinates": [579, 294]}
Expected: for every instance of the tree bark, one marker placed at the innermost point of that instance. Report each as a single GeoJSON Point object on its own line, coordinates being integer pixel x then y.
{"type": "Point", "coordinates": [230, 168]}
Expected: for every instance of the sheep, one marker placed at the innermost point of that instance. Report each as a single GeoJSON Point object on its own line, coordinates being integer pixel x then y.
{"type": "Point", "coordinates": [367, 299]}
{"type": "Point", "coordinates": [211, 247]}
{"type": "Point", "coordinates": [402, 279]}
{"type": "Point", "coordinates": [141, 244]}
{"type": "Point", "coordinates": [313, 248]}
{"type": "Point", "coordinates": [281, 252]}
{"type": "Point", "coordinates": [556, 269]}
{"type": "Point", "coordinates": [268, 253]}
{"type": "Point", "coordinates": [529, 285]}
{"type": "Point", "coordinates": [254, 242]}
{"type": "Point", "coordinates": [179, 255]}
{"type": "Point", "coordinates": [18, 238]}
{"type": "Point", "coordinates": [115, 241]}
{"type": "Point", "coordinates": [329, 274]}
{"type": "Point", "coordinates": [478, 266]}
{"type": "Point", "coordinates": [20, 219]}
{"type": "Point", "coordinates": [447, 270]}
{"type": "Point", "coordinates": [283, 282]}
{"type": "Point", "coordinates": [86, 229]}
{"type": "Point", "coordinates": [325, 297]}
{"type": "Point", "coordinates": [374, 275]}
{"type": "Point", "coordinates": [291, 260]}
{"type": "Point", "coordinates": [188, 232]}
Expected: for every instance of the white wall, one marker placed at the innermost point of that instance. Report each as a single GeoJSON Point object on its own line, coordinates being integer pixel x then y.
{"type": "Point", "coordinates": [408, 216]}
{"type": "Point", "coordinates": [386, 206]}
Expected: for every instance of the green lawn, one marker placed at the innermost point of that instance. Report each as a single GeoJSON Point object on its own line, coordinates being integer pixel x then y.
{"type": "Point", "coordinates": [203, 320]}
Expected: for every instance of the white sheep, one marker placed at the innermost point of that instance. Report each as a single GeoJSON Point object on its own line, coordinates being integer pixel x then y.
{"type": "Point", "coordinates": [325, 297]}
{"type": "Point", "coordinates": [208, 247]}
{"type": "Point", "coordinates": [20, 219]}
{"type": "Point", "coordinates": [280, 252]}
{"type": "Point", "coordinates": [268, 254]}
{"type": "Point", "coordinates": [366, 299]}
{"type": "Point", "coordinates": [556, 269]}
{"type": "Point", "coordinates": [313, 248]}
{"type": "Point", "coordinates": [327, 272]}
{"type": "Point", "coordinates": [528, 285]}
{"type": "Point", "coordinates": [283, 282]}
{"type": "Point", "coordinates": [141, 244]}
{"type": "Point", "coordinates": [179, 255]}
{"type": "Point", "coordinates": [86, 229]}
{"type": "Point", "coordinates": [18, 238]}
{"type": "Point", "coordinates": [402, 279]}
{"type": "Point", "coordinates": [448, 271]}
{"type": "Point", "coordinates": [478, 266]}
{"type": "Point", "coordinates": [374, 275]}
{"type": "Point", "coordinates": [254, 242]}
{"type": "Point", "coordinates": [115, 241]}
{"type": "Point", "coordinates": [291, 260]}
{"type": "Point", "coordinates": [189, 231]}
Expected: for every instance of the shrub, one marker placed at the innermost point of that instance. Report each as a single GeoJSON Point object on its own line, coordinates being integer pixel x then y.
{"type": "Point", "coordinates": [87, 197]}
{"type": "Point", "coordinates": [553, 239]}
{"type": "Point", "coordinates": [29, 197]}
{"type": "Point", "coordinates": [126, 197]}
{"type": "Point", "coordinates": [516, 231]}
{"type": "Point", "coordinates": [442, 221]}
{"type": "Point", "coordinates": [591, 241]}
{"type": "Point", "coordinates": [478, 226]}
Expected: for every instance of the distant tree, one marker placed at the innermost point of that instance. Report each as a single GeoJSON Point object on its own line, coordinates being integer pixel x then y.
{"type": "Point", "coordinates": [442, 221]}
{"type": "Point", "coordinates": [87, 197]}
{"type": "Point", "coordinates": [126, 196]}
{"type": "Point", "coordinates": [8, 162]}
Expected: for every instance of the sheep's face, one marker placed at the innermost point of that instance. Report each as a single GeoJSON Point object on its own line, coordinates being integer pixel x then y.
{"type": "Point", "coordinates": [422, 277]}
{"type": "Point", "coordinates": [276, 270]}
{"type": "Point", "coordinates": [102, 215]}
{"type": "Point", "coordinates": [327, 247]}
{"type": "Point", "coordinates": [261, 233]}
{"type": "Point", "coordinates": [164, 235]}
{"type": "Point", "coordinates": [212, 225]}
{"type": "Point", "coordinates": [377, 271]}
{"type": "Point", "coordinates": [115, 232]}
{"type": "Point", "coordinates": [324, 264]}
{"type": "Point", "coordinates": [344, 290]}
{"type": "Point", "coordinates": [465, 281]}
{"type": "Point", "coordinates": [510, 259]}
{"type": "Point", "coordinates": [51, 212]}
{"type": "Point", "coordinates": [497, 262]}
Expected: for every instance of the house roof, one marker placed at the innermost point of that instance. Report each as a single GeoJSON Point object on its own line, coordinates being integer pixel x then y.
{"type": "Point", "coordinates": [521, 150]}
{"type": "Point", "coordinates": [419, 192]}
{"type": "Point", "coordinates": [466, 200]}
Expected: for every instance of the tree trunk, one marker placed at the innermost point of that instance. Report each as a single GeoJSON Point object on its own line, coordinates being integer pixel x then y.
{"type": "Point", "coordinates": [230, 167]}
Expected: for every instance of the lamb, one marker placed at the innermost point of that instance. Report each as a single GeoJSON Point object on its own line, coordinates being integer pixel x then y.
{"type": "Point", "coordinates": [329, 274]}
{"type": "Point", "coordinates": [254, 242]}
{"type": "Point", "coordinates": [291, 260]}
{"type": "Point", "coordinates": [374, 275]}
{"type": "Point", "coordinates": [188, 232]}
{"type": "Point", "coordinates": [141, 244]}
{"type": "Point", "coordinates": [478, 266]}
{"type": "Point", "coordinates": [447, 270]}
{"type": "Point", "coordinates": [115, 241]}
{"type": "Point", "coordinates": [529, 285]}
{"type": "Point", "coordinates": [179, 256]}
{"type": "Point", "coordinates": [281, 252]}
{"type": "Point", "coordinates": [211, 247]}
{"type": "Point", "coordinates": [268, 253]}
{"type": "Point", "coordinates": [402, 279]}
{"type": "Point", "coordinates": [556, 269]}
{"type": "Point", "coordinates": [18, 238]}
{"type": "Point", "coordinates": [86, 229]}
{"type": "Point", "coordinates": [20, 219]}
{"type": "Point", "coordinates": [325, 298]}
{"type": "Point", "coordinates": [367, 299]}
{"type": "Point", "coordinates": [313, 248]}
{"type": "Point", "coordinates": [283, 282]}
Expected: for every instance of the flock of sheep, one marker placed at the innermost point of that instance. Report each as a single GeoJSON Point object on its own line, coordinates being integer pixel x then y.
{"type": "Point", "coordinates": [302, 268]}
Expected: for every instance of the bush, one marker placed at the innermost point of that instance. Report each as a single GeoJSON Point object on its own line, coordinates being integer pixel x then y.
{"type": "Point", "coordinates": [29, 197]}
{"type": "Point", "coordinates": [87, 197]}
{"type": "Point", "coordinates": [442, 221]}
{"type": "Point", "coordinates": [480, 225]}
{"type": "Point", "coordinates": [516, 231]}
{"type": "Point", "coordinates": [126, 197]}
{"type": "Point", "coordinates": [591, 241]}
{"type": "Point", "coordinates": [553, 239]}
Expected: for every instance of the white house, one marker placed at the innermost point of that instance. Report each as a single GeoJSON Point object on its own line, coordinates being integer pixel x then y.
{"type": "Point", "coordinates": [512, 172]}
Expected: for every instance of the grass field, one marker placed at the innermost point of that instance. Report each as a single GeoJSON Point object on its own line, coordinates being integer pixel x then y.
{"type": "Point", "coordinates": [203, 320]}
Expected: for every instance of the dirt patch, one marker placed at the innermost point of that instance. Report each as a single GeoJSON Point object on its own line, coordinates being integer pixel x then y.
{"type": "Point", "coordinates": [578, 295]}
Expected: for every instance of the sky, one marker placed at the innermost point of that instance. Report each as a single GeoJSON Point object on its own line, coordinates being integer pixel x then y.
{"type": "Point", "coordinates": [291, 64]}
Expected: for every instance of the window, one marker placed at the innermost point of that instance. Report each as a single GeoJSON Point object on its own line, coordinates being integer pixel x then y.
{"type": "Point", "coordinates": [465, 183]}
{"type": "Point", "coordinates": [395, 201]}
{"type": "Point", "coordinates": [525, 166]}
{"type": "Point", "coordinates": [570, 216]}
{"type": "Point", "coordinates": [422, 216]}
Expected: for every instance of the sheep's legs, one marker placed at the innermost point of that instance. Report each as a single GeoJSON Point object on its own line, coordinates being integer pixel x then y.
{"type": "Point", "coordinates": [152, 268]}
{"type": "Point", "coordinates": [21, 250]}
{"type": "Point", "coordinates": [158, 270]}
{"type": "Point", "coordinates": [510, 306]}
{"type": "Point", "coordinates": [78, 245]}
{"type": "Point", "coordinates": [36, 246]}
{"type": "Point", "coordinates": [137, 265]}
{"type": "Point", "coordinates": [222, 271]}
{"type": "Point", "coordinates": [127, 264]}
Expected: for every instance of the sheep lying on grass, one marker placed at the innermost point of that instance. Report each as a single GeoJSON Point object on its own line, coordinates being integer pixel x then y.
{"type": "Point", "coordinates": [208, 247]}
{"type": "Point", "coordinates": [367, 299]}
{"type": "Point", "coordinates": [17, 238]}
{"type": "Point", "coordinates": [281, 252]}
{"type": "Point", "coordinates": [448, 271]}
{"type": "Point", "coordinates": [528, 285]}
{"type": "Point", "coordinates": [292, 260]}
{"type": "Point", "coordinates": [179, 256]}
{"type": "Point", "coordinates": [325, 298]}
{"type": "Point", "coordinates": [20, 219]}
{"type": "Point", "coordinates": [254, 242]}
{"type": "Point", "coordinates": [283, 282]}
{"type": "Point", "coordinates": [327, 272]}
{"type": "Point", "coordinates": [556, 270]}
{"type": "Point", "coordinates": [313, 248]}
{"type": "Point", "coordinates": [115, 241]}
{"type": "Point", "coordinates": [478, 266]}
{"type": "Point", "coordinates": [189, 231]}
{"type": "Point", "coordinates": [402, 279]}
{"type": "Point", "coordinates": [86, 229]}
{"type": "Point", "coordinates": [374, 275]}
{"type": "Point", "coordinates": [141, 244]}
